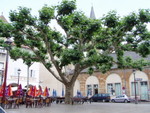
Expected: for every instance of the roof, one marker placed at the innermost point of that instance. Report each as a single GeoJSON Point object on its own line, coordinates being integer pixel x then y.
{"type": "Point", "coordinates": [3, 18]}
{"type": "Point", "coordinates": [92, 14]}
{"type": "Point", "coordinates": [133, 55]}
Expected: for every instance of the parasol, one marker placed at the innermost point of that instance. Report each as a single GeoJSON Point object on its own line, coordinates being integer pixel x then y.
{"type": "Point", "coordinates": [19, 90]}
{"type": "Point", "coordinates": [39, 91]}
{"type": "Point", "coordinates": [9, 93]}
{"type": "Point", "coordinates": [46, 93]}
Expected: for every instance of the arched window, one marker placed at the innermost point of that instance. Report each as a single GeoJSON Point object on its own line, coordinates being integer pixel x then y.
{"type": "Point", "coordinates": [92, 85]}
{"type": "Point", "coordinates": [113, 84]}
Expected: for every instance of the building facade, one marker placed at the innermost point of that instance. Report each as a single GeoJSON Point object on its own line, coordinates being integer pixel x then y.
{"type": "Point", "coordinates": [13, 77]}
{"type": "Point", "coordinates": [117, 82]}
{"type": "Point", "coordinates": [22, 78]}
{"type": "Point", "coordinates": [2, 62]}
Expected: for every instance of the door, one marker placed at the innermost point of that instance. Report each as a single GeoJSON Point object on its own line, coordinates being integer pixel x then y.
{"type": "Point", "coordinates": [117, 89]}
{"type": "Point", "coordinates": [133, 87]}
{"type": "Point", "coordinates": [95, 88]}
{"type": "Point", "coordinates": [109, 88]}
{"type": "Point", "coordinates": [89, 90]}
{"type": "Point", "coordinates": [144, 90]}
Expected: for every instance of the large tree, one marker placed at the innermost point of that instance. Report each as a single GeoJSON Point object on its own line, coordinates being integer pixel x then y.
{"type": "Point", "coordinates": [85, 44]}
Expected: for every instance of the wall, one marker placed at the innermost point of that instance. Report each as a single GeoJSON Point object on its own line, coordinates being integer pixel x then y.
{"type": "Point", "coordinates": [123, 76]}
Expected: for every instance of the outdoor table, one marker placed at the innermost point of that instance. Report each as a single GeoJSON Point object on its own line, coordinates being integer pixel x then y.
{"type": "Point", "coordinates": [11, 101]}
{"type": "Point", "coordinates": [47, 101]}
{"type": "Point", "coordinates": [60, 99]}
{"type": "Point", "coordinates": [77, 100]}
{"type": "Point", "coordinates": [37, 102]}
{"type": "Point", "coordinates": [29, 102]}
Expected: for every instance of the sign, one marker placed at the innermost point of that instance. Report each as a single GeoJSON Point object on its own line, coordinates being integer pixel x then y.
{"type": "Point", "coordinates": [149, 91]}
{"type": "Point", "coordinates": [138, 79]}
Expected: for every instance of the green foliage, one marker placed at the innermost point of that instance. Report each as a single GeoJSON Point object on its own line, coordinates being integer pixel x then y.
{"type": "Point", "coordinates": [5, 29]}
{"type": "Point", "coordinates": [70, 56]}
{"type": "Point", "coordinates": [15, 53]}
{"type": "Point", "coordinates": [22, 17]}
{"type": "Point", "coordinates": [144, 48]}
{"type": "Point", "coordinates": [90, 70]}
{"type": "Point", "coordinates": [46, 14]}
{"type": "Point", "coordinates": [86, 43]}
{"type": "Point", "coordinates": [65, 22]}
{"type": "Point", "coordinates": [26, 55]}
{"type": "Point", "coordinates": [78, 18]}
{"type": "Point", "coordinates": [93, 27]}
{"type": "Point", "coordinates": [130, 21]}
{"type": "Point", "coordinates": [144, 15]}
{"type": "Point", "coordinates": [66, 7]}
{"type": "Point", "coordinates": [139, 64]}
{"type": "Point", "coordinates": [48, 65]}
{"type": "Point", "coordinates": [111, 20]}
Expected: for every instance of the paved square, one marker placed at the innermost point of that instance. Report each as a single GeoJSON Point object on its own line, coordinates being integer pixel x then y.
{"type": "Point", "coordinates": [87, 108]}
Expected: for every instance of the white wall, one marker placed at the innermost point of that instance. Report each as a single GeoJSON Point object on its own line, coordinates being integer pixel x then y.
{"type": "Point", "coordinates": [76, 88]}
{"type": "Point", "coordinates": [92, 80]}
{"type": "Point", "coordinates": [113, 78]}
{"type": "Point", "coordinates": [12, 76]}
{"type": "Point", "coordinates": [49, 81]}
{"type": "Point", "coordinates": [138, 74]}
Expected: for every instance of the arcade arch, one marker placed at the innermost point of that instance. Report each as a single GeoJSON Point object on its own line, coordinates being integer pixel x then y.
{"type": "Point", "coordinates": [114, 84]}
{"type": "Point", "coordinates": [92, 85]}
{"type": "Point", "coordinates": [141, 85]}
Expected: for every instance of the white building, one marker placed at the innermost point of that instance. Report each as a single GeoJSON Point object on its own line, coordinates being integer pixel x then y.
{"type": "Point", "coordinates": [14, 77]}
{"type": "Point", "coordinates": [12, 71]}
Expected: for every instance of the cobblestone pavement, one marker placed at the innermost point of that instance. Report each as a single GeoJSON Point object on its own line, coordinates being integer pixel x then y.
{"type": "Point", "coordinates": [87, 108]}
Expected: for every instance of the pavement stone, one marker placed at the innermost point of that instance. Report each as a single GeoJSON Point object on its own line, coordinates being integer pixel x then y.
{"type": "Point", "coordinates": [143, 107]}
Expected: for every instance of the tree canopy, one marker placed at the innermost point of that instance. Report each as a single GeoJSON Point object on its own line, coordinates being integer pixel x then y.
{"type": "Point", "coordinates": [86, 43]}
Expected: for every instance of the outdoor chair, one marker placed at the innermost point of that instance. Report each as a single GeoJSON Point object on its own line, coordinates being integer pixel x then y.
{"type": "Point", "coordinates": [29, 103]}
{"type": "Point", "coordinates": [20, 100]}
{"type": "Point", "coordinates": [7, 104]}
{"type": "Point", "coordinates": [16, 104]}
{"type": "Point", "coordinates": [47, 101]}
{"type": "Point", "coordinates": [77, 100]}
{"type": "Point", "coordinates": [40, 102]}
{"type": "Point", "coordinates": [1, 101]}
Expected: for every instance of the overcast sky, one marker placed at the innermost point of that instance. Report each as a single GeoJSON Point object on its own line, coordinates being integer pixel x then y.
{"type": "Point", "coordinates": [123, 7]}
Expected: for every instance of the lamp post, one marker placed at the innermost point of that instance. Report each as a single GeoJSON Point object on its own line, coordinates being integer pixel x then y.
{"type": "Point", "coordinates": [28, 78]}
{"type": "Point", "coordinates": [135, 86]}
{"type": "Point", "coordinates": [8, 42]}
{"type": "Point", "coordinates": [19, 71]}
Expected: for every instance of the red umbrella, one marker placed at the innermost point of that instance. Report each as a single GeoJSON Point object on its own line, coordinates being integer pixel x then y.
{"type": "Point", "coordinates": [30, 91]}
{"type": "Point", "coordinates": [46, 93]}
{"type": "Point", "coordinates": [1, 91]}
{"type": "Point", "coordinates": [39, 91]}
{"type": "Point", "coordinates": [34, 91]}
{"type": "Point", "coordinates": [9, 93]}
{"type": "Point", "coordinates": [19, 90]}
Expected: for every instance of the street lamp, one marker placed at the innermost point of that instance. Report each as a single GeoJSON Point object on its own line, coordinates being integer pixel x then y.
{"type": "Point", "coordinates": [135, 86]}
{"type": "Point", "coordinates": [19, 71]}
{"type": "Point", "coordinates": [8, 42]}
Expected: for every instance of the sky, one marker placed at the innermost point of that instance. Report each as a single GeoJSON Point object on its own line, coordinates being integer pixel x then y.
{"type": "Point", "coordinates": [101, 7]}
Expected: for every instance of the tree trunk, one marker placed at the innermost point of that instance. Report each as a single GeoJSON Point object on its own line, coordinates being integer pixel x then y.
{"type": "Point", "coordinates": [69, 93]}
